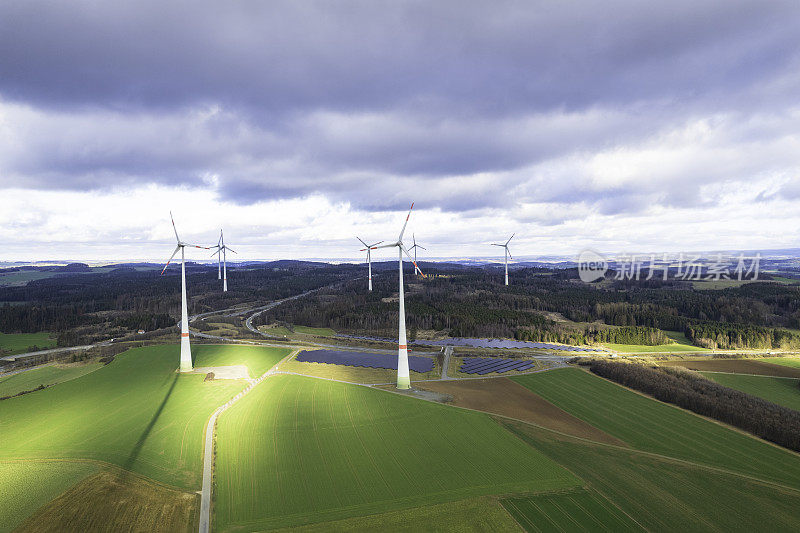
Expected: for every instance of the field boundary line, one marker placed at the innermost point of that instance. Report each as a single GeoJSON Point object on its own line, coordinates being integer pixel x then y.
{"type": "Point", "coordinates": [704, 417]}
{"type": "Point", "coordinates": [208, 445]}
{"type": "Point", "coordinates": [667, 458]}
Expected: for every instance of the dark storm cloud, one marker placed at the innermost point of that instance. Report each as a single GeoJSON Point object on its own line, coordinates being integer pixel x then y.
{"type": "Point", "coordinates": [373, 102]}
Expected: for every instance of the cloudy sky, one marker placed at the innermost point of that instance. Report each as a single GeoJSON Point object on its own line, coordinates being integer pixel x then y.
{"type": "Point", "coordinates": [624, 126]}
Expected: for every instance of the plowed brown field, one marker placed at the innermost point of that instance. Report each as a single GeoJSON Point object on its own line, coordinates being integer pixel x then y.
{"type": "Point", "coordinates": [502, 396]}
{"type": "Point", "coordinates": [737, 366]}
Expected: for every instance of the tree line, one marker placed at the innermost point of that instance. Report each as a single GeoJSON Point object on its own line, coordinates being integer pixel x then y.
{"type": "Point", "coordinates": [693, 391]}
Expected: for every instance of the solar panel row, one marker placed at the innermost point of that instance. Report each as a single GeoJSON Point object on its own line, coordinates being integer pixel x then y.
{"type": "Point", "coordinates": [365, 360]}
{"type": "Point", "coordinates": [482, 343]}
{"type": "Point", "coordinates": [482, 366]}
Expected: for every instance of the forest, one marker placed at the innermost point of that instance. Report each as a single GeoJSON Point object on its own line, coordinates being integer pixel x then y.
{"type": "Point", "coordinates": [541, 304]}
{"type": "Point", "coordinates": [83, 308]}
{"type": "Point", "coordinates": [552, 306]}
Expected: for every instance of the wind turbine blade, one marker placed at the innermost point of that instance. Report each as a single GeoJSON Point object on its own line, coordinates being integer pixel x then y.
{"type": "Point", "coordinates": [219, 241]}
{"type": "Point", "coordinates": [170, 259]}
{"type": "Point", "coordinates": [371, 245]}
{"type": "Point", "coordinates": [412, 260]}
{"type": "Point", "coordinates": [394, 244]}
{"type": "Point", "coordinates": [420, 247]}
{"type": "Point", "coordinates": [215, 253]}
{"type": "Point", "coordinates": [234, 251]}
{"type": "Point", "coordinates": [400, 238]}
{"type": "Point", "coordinates": [362, 242]}
{"type": "Point", "coordinates": [174, 228]}
{"type": "Point", "coordinates": [503, 245]}
{"type": "Point", "coordinates": [509, 253]}
{"type": "Point", "coordinates": [509, 239]}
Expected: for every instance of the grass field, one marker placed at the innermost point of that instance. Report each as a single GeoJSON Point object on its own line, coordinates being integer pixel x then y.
{"type": "Point", "coordinates": [45, 375]}
{"type": "Point", "coordinates": [257, 358]}
{"type": "Point", "coordinates": [662, 494]}
{"type": "Point", "coordinates": [22, 491]}
{"type": "Point", "coordinates": [14, 343]}
{"type": "Point", "coordinates": [792, 362]}
{"type": "Point", "coordinates": [465, 516]}
{"type": "Point", "coordinates": [580, 510]}
{"type": "Point", "coordinates": [320, 332]}
{"type": "Point", "coordinates": [298, 450]}
{"type": "Point", "coordinates": [682, 344]}
{"type": "Point", "coordinates": [653, 426]}
{"type": "Point", "coordinates": [661, 348]}
{"type": "Point", "coordinates": [783, 391]}
{"type": "Point", "coordinates": [136, 412]}
{"type": "Point", "coordinates": [108, 501]}
{"type": "Point", "coordinates": [353, 374]}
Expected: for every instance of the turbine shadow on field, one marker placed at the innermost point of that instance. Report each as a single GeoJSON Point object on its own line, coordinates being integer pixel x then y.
{"type": "Point", "coordinates": [137, 448]}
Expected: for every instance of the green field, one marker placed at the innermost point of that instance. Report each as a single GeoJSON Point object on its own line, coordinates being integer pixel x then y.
{"type": "Point", "coordinates": [15, 343]}
{"type": "Point", "coordinates": [783, 391]}
{"type": "Point", "coordinates": [793, 362]}
{"type": "Point", "coordinates": [298, 450]}
{"type": "Point", "coordinates": [473, 515]}
{"type": "Point", "coordinates": [136, 412]}
{"type": "Point", "coordinates": [22, 490]}
{"type": "Point", "coordinates": [661, 348]}
{"type": "Point", "coordinates": [662, 494]}
{"type": "Point", "coordinates": [321, 332]}
{"type": "Point", "coordinates": [257, 358]}
{"type": "Point", "coordinates": [580, 510]}
{"type": "Point", "coordinates": [656, 427]}
{"type": "Point", "coordinates": [45, 375]}
{"type": "Point", "coordinates": [682, 344]}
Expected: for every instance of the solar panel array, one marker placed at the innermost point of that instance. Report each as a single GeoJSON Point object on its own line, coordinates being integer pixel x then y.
{"type": "Point", "coordinates": [365, 360]}
{"type": "Point", "coordinates": [501, 343]}
{"type": "Point", "coordinates": [482, 365]}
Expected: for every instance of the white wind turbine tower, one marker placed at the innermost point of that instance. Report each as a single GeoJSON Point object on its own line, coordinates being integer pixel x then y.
{"type": "Point", "coordinates": [219, 259]}
{"type": "Point", "coordinates": [417, 271]}
{"type": "Point", "coordinates": [186, 352]}
{"type": "Point", "coordinates": [369, 248]}
{"type": "Point", "coordinates": [508, 253]}
{"type": "Point", "coordinates": [221, 250]}
{"type": "Point", "coordinates": [403, 377]}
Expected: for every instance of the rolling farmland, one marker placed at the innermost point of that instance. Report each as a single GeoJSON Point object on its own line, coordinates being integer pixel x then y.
{"type": "Point", "coordinates": [46, 375]}
{"type": "Point", "coordinates": [791, 362]}
{"type": "Point", "coordinates": [663, 494]}
{"type": "Point", "coordinates": [783, 391]}
{"type": "Point", "coordinates": [656, 427]}
{"type": "Point", "coordinates": [22, 491]}
{"type": "Point", "coordinates": [580, 510]}
{"type": "Point", "coordinates": [298, 450]}
{"type": "Point", "coordinates": [14, 343]}
{"type": "Point", "coordinates": [136, 412]}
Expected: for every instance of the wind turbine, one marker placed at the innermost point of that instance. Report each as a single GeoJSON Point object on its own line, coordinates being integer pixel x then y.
{"type": "Point", "coordinates": [219, 259]}
{"type": "Point", "coordinates": [508, 253]}
{"type": "Point", "coordinates": [221, 250]}
{"type": "Point", "coordinates": [369, 248]}
{"type": "Point", "coordinates": [403, 377]}
{"type": "Point", "coordinates": [186, 352]}
{"type": "Point", "coordinates": [417, 271]}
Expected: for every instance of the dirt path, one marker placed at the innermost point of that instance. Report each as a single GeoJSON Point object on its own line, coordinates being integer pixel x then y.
{"type": "Point", "coordinates": [208, 446]}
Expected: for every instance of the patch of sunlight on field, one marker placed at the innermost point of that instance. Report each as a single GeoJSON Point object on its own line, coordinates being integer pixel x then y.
{"type": "Point", "coordinates": [300, 450]}
{"type": "Point", "coordinates": [46, 375]}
